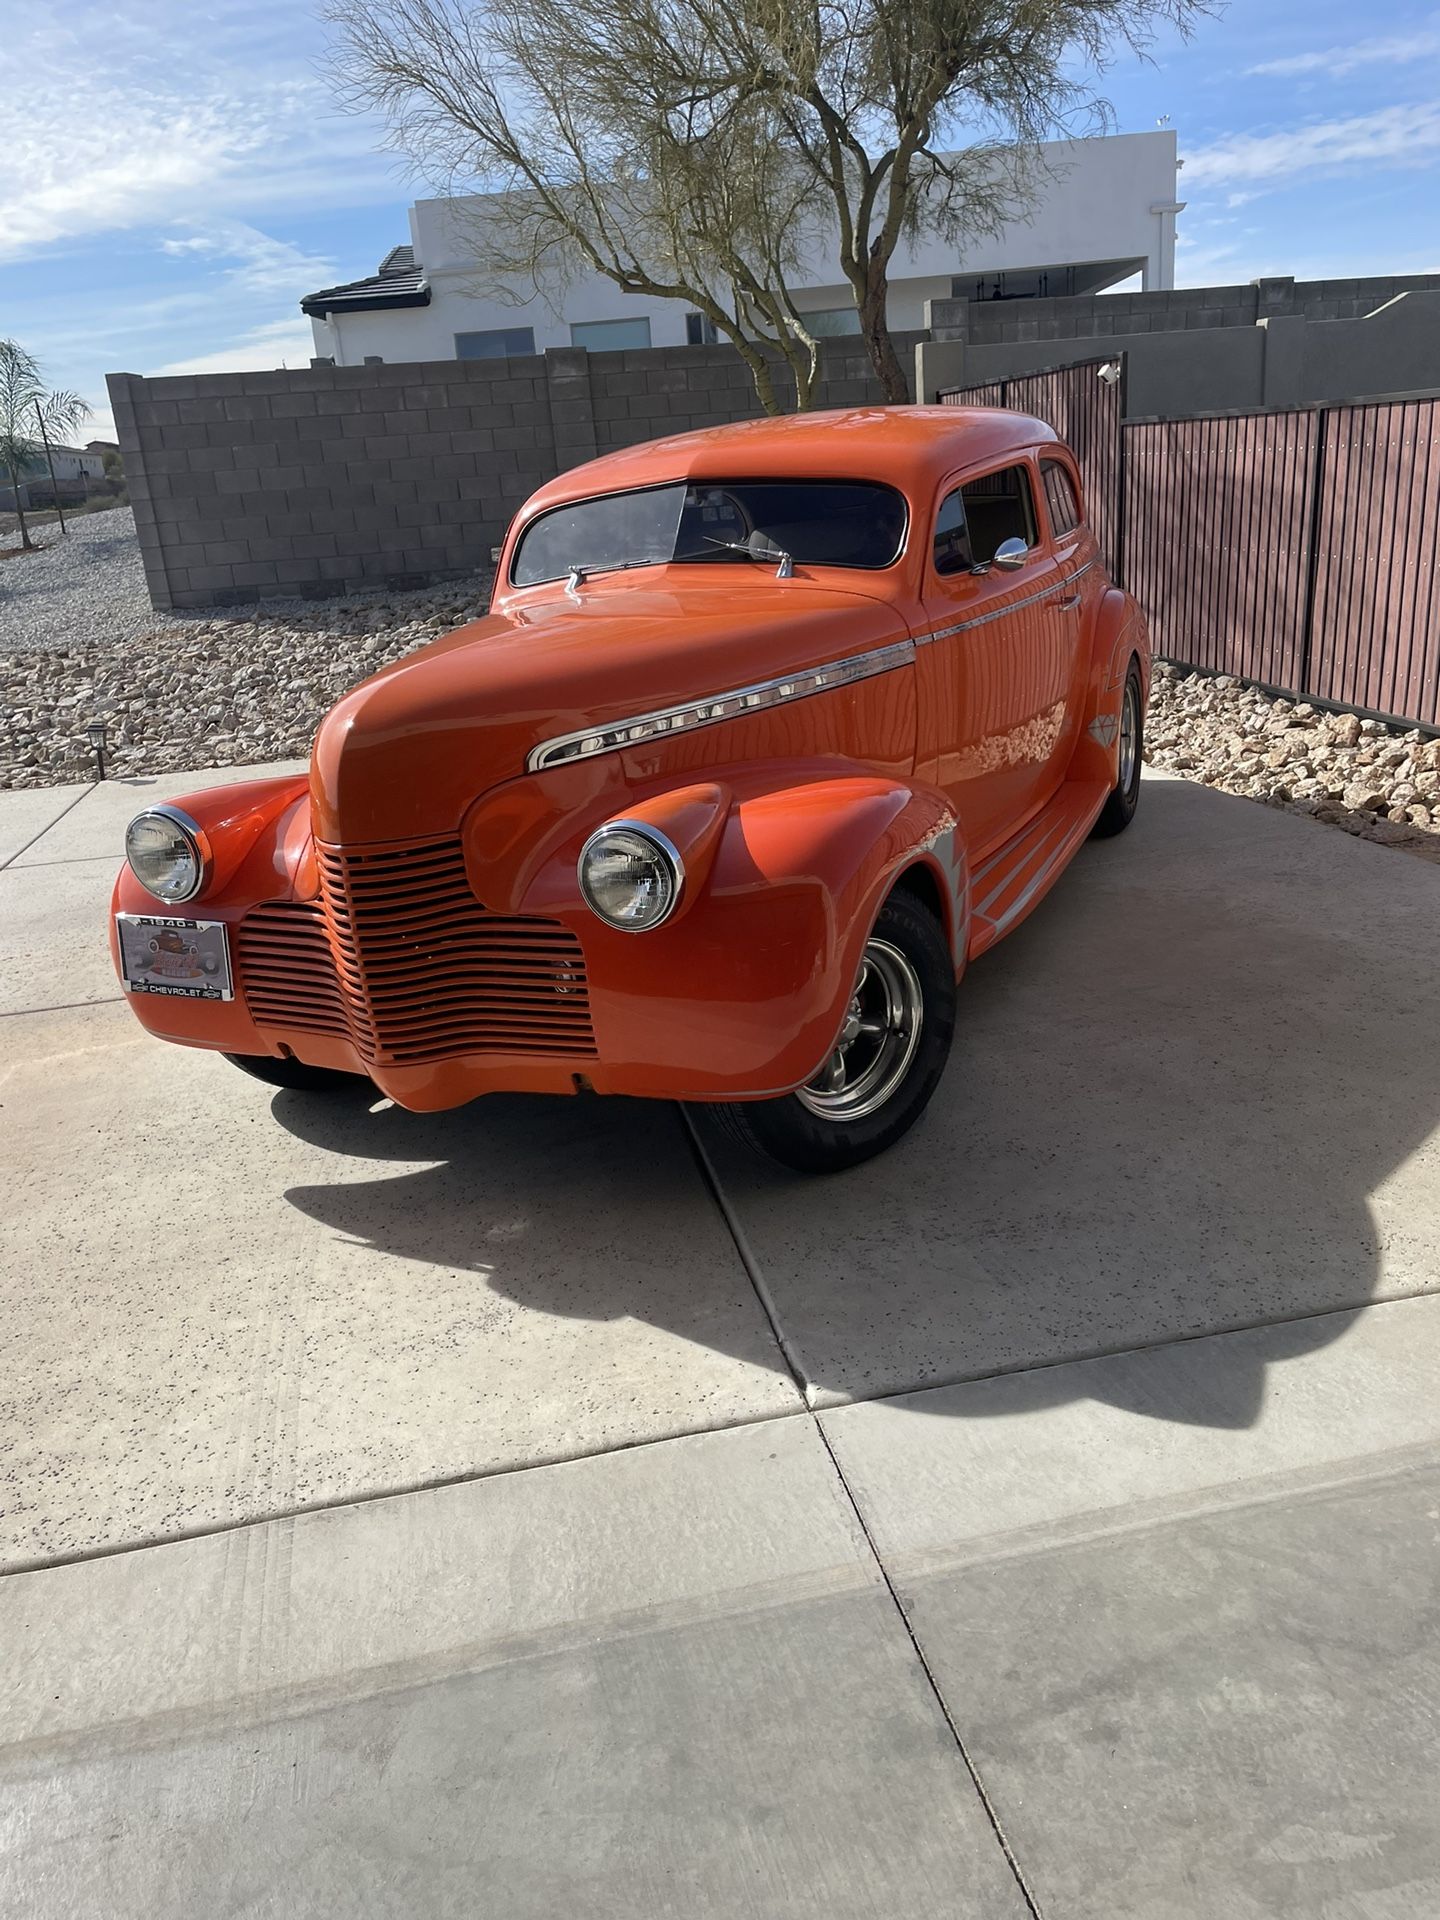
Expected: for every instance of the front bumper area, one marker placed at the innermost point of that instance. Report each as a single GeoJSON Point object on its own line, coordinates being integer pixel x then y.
{"type": "Point", "coordinates": [396, 971]}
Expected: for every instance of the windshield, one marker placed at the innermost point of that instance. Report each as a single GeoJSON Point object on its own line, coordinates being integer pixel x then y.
{"type": "Point", "coordinates": [821, 523]}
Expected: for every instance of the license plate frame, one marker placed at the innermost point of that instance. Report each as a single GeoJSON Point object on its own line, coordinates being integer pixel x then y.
{"type": "Point", "coordinates": [175, 957]}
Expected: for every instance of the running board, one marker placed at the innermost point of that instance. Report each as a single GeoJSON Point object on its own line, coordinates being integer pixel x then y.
{"type": "Point", "coordinates": [1015, 878]}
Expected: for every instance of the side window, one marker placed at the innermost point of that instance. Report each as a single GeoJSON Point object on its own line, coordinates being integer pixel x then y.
{"type": "Point", "coordinates": [998, 507]}
{"type": "Point", "coordinates": [952, 536]}
{"type": "Point", "coordinates": [1060, 499]}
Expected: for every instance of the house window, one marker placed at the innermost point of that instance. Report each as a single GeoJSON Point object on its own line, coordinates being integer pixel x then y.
{"type": "Point", "coordinates": [829, 323]}
{"type": "Point", "coordinates": [495, 343]}
{"type": "Point", "coordinates": [700, 331]}
{"type": "Point", "coordinates": [1060, 499]}
{"type": "Point", "coordinates": [609, 336]}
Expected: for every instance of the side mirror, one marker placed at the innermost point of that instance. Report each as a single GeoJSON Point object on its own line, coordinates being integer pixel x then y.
{"type": "Point", "coordinates": [1010, 555]}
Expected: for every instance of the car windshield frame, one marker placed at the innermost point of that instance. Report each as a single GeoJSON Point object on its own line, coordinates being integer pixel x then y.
{"type": "Point", "coordinates": [722, 554]}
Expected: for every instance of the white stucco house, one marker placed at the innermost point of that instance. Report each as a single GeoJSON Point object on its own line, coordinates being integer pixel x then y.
{"type": "Point", "coordinates": [77, 469]}
{"type": "Point", "coordinates": [1107, 214]}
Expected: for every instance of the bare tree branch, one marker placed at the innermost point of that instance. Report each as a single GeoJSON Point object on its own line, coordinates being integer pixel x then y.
{"type": "Point", "coordinates": [711, 150]}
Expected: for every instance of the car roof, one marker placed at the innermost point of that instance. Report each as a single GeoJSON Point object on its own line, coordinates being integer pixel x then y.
{"type": "Point", "coordinates": [912, 448]}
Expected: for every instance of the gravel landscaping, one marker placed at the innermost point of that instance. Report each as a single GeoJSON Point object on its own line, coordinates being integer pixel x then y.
{"type": "Point", "coordinates": [80, 641]}
{"type": "Point", "coordinates": [86, 583]}
{"type": "Point", "coordinates": [228, 687]}
{"type": "Point", "coordinates": [1381, 783]}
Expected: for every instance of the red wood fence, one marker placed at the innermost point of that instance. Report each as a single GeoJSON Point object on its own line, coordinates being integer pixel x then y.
{"type": "Point", "coordinates": [1298, 549]}
{"type": "Point", "coordinates": [1086, 412]}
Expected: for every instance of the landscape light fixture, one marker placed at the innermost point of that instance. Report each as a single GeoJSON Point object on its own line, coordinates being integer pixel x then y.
{"type": "Point", "coordinates": [96, 731]}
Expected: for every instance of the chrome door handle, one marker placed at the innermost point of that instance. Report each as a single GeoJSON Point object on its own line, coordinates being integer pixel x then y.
{"type": "Point", "coordinates": [1070, 600]}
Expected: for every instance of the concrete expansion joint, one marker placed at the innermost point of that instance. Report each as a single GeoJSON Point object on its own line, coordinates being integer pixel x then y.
{"type": "Point", "coordinates": [809, 1393]}
{"type": "Point", "coordinates": [84, 794]}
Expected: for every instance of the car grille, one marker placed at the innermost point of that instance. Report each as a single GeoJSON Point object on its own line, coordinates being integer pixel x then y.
{"type": "Point", "coordinates": [399, 957]}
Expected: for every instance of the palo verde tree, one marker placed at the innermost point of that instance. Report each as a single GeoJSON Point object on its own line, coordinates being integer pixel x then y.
{"type": "Point", "coordinates": [927, 115]}
{"type": "Point", "coordinates": [596, 163]}
{"type": "Point", "coordinates": [714, 151]}
{"type": "Point", "coordinates": [29, 415]}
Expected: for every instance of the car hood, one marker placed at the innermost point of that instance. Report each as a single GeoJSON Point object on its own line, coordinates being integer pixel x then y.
{"type": "Point", "coordinates": [406, 753]}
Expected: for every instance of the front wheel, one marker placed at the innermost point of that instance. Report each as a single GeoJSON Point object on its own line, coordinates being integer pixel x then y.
{"type": "Point", "coordinates": [1119, 808]}
{"type": "Point", "coordinates": [888, 1057]}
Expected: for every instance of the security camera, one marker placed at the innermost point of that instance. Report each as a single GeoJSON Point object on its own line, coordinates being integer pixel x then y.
{"type": "Point", "coordinates": [1109, 373]}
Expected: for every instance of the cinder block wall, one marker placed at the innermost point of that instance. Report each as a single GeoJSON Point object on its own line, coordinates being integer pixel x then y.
{"type": "Point", "coordinates": [326, 479]}
{"type": "Point", "coordinates": [1180, 309]}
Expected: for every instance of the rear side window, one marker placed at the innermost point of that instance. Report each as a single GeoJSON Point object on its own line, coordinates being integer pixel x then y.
{"type": "Point", "coordinates": [1060, 499]}
{"type": "Point", "coordinates": [998, 507]}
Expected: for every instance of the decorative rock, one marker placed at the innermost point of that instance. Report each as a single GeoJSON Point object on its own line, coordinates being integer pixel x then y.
{"type": "Point", "coordinates": [1378, 782]}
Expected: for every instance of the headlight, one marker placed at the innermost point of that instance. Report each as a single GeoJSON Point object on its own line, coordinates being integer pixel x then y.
{"type": "Point", "coordinates": [630, 875]}
{"type": "Point", "coordinates": [168, 854]}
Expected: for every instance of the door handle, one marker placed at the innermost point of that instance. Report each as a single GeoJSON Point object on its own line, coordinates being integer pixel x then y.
{"type": "Point", "coordinates": [1070, 600]}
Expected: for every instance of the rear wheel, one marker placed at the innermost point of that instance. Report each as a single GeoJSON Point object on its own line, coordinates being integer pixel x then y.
{"type": "Point", "coordinates": [279, 1070]}
{"type": "Point", "coordinates": [1119, 809]}
{"type": "Point", "coordinates": [887, 1061]}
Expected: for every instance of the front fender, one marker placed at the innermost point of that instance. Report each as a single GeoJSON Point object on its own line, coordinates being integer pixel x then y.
{"type": "Point", "coordinates": [259, 835]}
{"type": "Point", "coordinates": [740, 994]}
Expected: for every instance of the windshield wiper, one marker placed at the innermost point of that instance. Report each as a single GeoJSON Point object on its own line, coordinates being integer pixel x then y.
{"type": "Point", "coordinates": [763, 551]}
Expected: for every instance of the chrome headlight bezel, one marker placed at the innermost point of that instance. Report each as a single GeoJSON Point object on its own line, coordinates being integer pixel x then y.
{"type": "Point", "coordinates": [197, 846]}
{"type": "Point", "coordinates": [661, 851]}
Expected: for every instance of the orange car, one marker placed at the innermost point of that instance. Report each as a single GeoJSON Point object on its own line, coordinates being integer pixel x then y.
{"type": "Point", "coordinates": [770, 729]}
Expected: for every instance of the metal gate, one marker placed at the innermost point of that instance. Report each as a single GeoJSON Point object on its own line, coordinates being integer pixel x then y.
{"type": "Point", "coordinates": [1085, 404]}
{"type": "Point", "coordinates": [1298, 548]}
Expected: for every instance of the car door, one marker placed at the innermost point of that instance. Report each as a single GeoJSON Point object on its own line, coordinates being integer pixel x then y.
{"type": "Point", "coordinates": [1080, 587]}
{"type": "Point", "coordinates": [991, 679]}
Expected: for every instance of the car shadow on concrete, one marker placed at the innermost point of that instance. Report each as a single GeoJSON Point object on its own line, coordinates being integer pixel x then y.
{"type": "Point", "coordinates": [1197, 1091]}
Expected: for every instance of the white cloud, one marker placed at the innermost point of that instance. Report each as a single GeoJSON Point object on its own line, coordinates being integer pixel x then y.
{"type": "Point", "coordinates": [1392, 137]}
{"type": "Point", "coordinates": [253, 262]}
{"type": "Point", "coordinates": [1335, 62]}
{"type": "Point", "coordinates": [278, 343]}
{"type": "Point", "coordinates": [123, 116]}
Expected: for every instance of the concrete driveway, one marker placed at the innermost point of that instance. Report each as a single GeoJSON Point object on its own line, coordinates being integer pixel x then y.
{"type": "Point", "coordinates": [1039, 1520]}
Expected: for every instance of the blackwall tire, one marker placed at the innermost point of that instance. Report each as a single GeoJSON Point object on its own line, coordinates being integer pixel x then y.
{"type": "Point", "coordinates": [281, 1071]}
{"type": "Point", "coordinates": [889, 1071]}
{"type": "Point", "coordinates": [1119, 808]}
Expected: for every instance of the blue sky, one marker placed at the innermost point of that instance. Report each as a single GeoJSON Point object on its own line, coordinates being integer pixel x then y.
{"type": "Point", "coordinates": [173, 175]}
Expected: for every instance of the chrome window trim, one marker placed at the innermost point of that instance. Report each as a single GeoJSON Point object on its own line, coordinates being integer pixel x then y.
{"type": "Point", "coordinates": [615, 735]}
{"type": "Point", "coordinates": [998, 613]}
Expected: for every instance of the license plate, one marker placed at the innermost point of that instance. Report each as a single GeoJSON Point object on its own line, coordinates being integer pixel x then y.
{"type": "Point", "coordinates": [186, 959]}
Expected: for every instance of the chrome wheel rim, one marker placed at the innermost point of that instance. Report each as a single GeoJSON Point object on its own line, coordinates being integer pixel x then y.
{"type": "Point", "coordinates": [1129, 737]}
{"type": "Point", "coordinates": [877, 1041]}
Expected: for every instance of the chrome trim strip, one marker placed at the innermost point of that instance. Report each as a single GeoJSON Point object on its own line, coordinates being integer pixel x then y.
{"type": "Point", "coordinates": [998, 613]}
{"type": "Point", "coordinates": [1037, 828]}
{"type": "Point", "coordinates": [1024, 898]}
{"type": "Point", "coordinates": [1044, 849]}
{"type": "Point", "coordinates": [615, 735]}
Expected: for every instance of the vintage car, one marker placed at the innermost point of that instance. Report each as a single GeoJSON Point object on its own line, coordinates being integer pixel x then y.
{"type": "Point", "coordinates": [770, 730]}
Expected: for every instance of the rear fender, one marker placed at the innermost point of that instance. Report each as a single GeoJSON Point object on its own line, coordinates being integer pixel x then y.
{"type": "Point", "coordinates": [1120, 636]}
